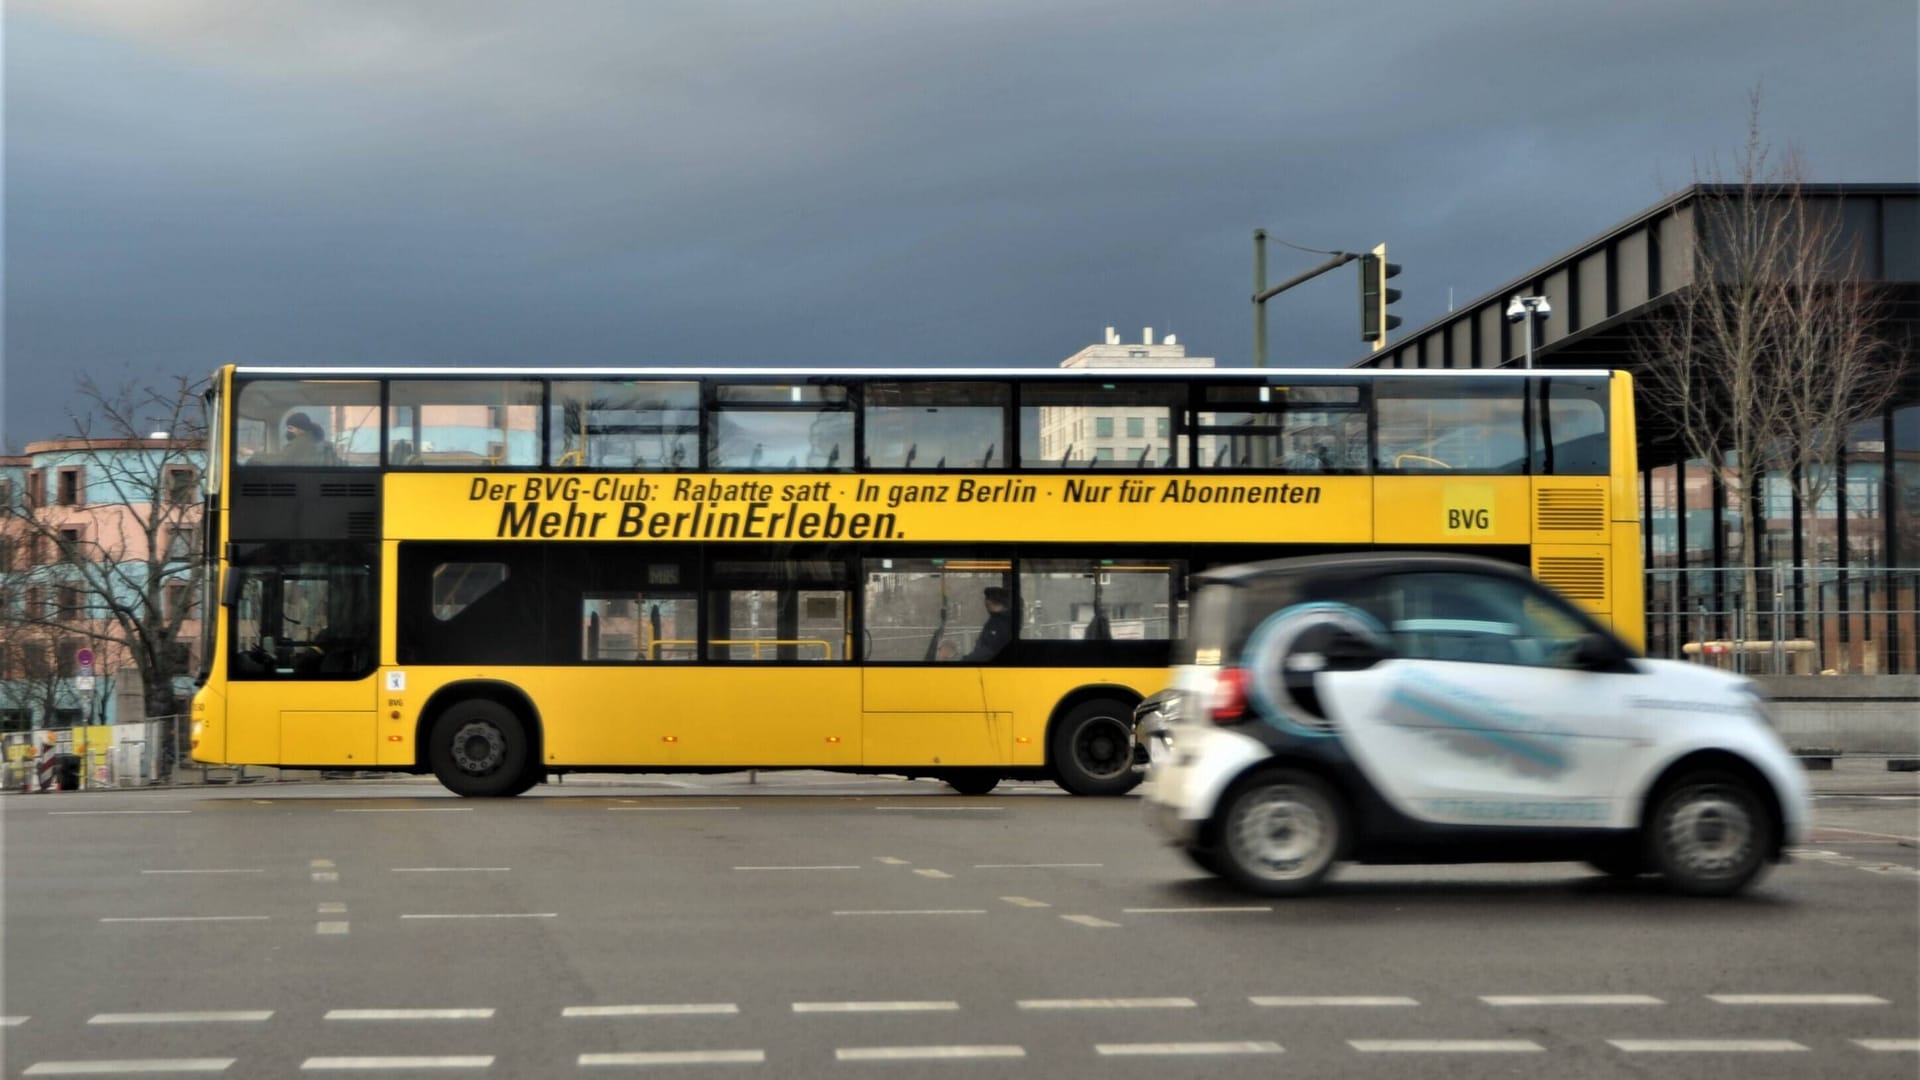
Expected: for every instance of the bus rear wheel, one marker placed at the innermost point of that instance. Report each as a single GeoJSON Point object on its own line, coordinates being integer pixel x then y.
{"type": "Point", "coordinates": [1092, 749]}
{"type": "Point", "coordinates": [972, 781]}
{"type": "Point", "coordinates": [478, 748]}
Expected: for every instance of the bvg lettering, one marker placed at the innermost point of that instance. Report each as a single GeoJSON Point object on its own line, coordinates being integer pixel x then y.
{"type": "Point", "coordinates": [1459, 520]}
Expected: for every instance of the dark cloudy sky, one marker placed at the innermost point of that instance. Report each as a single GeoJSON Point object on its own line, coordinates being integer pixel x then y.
{"type": "Point", "coordinates": [190, 182]}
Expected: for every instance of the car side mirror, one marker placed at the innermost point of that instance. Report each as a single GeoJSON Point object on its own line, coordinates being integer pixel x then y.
{"type": "Point", "coordinates": [1594, 652]}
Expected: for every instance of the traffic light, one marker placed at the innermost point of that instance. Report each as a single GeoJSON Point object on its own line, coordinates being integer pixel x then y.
{"type": "Point", "coordinates": [1375, 321]}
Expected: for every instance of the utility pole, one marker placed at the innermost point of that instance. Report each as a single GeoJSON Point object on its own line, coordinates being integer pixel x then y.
{"type": "Point", "coordinates": [1261, 293]}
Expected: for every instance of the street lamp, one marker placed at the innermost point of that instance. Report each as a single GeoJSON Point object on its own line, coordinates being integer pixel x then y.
{"type": "Point", "coordinates": [1520, 308]}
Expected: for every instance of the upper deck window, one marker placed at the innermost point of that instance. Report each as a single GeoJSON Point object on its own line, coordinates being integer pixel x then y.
{"type": "Point", "coordinates": [625, 425]}
{"type": "Point", "coordinates": [463, 423]}
{"type": "Point", "coordinates": [1451, 425]}
{"type": "Point", "coordinates": [1299, 429]}
{"type": "Point", "coordinates": [1570, 427]}
{"type": "Point", "coordinates": [936, 425]}
{"type": "Point", "coordinates": [307, 422]}
{"type": "Point", "coordinates": [780, 427]}
{"type": "Point", "coordinates": [1061, 424]}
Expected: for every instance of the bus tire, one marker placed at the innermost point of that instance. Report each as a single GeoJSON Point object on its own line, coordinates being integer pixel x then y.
{"type": "Point", "coordinates": [478, 748]}
{"type": "Point", "coordinates": [972, 781]}
{"type": "Point", "coordinates": [1092, 748]}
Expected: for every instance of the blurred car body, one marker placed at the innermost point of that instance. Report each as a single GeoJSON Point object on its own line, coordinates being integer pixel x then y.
{"type": "Point", "coordinates": [1426, 708]}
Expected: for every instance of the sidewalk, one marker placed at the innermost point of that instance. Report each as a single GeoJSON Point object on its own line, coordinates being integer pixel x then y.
{"type": "Point", "coordinates": [1863, 776]}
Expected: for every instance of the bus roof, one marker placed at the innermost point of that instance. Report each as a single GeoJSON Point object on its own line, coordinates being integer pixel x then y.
{"type": "Point", "coordinates": [1251, 374]}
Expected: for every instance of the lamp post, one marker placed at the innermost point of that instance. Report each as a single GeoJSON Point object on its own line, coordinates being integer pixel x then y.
{"type": "Point", "coordinates": [1525, 309]}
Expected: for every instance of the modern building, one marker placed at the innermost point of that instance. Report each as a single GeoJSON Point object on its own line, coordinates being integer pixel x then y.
{"type": "Point", "coordinates": [1081, 433]}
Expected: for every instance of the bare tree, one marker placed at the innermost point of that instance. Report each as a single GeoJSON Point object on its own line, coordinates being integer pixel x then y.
{"type": "Point", "coordinates": [113, 562]}
{"type": "Point", "coordinates": [1768, 355]}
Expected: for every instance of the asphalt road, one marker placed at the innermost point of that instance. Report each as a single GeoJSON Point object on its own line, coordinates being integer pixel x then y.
{"type": "Point", "coordinates": [812, 925]}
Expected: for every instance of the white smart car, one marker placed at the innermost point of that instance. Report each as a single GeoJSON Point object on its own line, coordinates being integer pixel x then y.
{"type": "Point", "coordinates": [1422, 708]}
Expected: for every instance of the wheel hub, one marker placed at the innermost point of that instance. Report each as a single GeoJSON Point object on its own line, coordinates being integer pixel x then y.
{"type": "Point", "coordinates": [478, 748]}
{"type": "Point", "coordinates": [1710, 832]}
{"type": "Point", "coordinates": [1281, 833]}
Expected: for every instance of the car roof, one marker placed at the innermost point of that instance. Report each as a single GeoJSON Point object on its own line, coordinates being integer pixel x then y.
{"type": "Point", "coordinates": [1357, 564]}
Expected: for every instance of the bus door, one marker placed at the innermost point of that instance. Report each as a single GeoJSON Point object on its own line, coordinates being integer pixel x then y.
{"type": "Point", "coordinates": [926, 687]}
{"type": "Point", "coordinates": [301, 688]}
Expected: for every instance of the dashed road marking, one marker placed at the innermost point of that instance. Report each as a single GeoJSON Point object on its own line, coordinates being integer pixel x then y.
{"type": "Point", "coordinates": [444, 1061]}
{"type": "Point", "coordinates": [184, 918]}
{"type": "Point", "coordinates": [891, 861]}
{"type": "Point", "coordinates": [1797, 999]}
{"type": "Point", "coordinates": [321, 864]}
{"type": "Point", "coordinates": [1506, 1000]}
{"type": "Point", "coordinates": [489, 915]}
{"type": "Point", "coordinates": [1177, 1049]}
{"type": "Point", "coordinates": [1090, 920]}
{"type": "Point", "coordinates": [1706, 1046]}
{"type": "Point", "coordinates": [933, 873]}
{"type": "Point", "coordinates": [1021, 901]}
{"type": "Point", "coordinates": [128, 1065]}
{"type": "Point", "coordinates": [1353, 1001]}
{"type": "Point", "coordinates": [1889, 1045]}
{"type": "Point", "coordinates": [692, 1009]}
{"type": "Point", "coordinates": [1107, 1003]}
{"type": "Point", "coordinates": [98, 813]}
{"type": "Point", "coordinates": [949, 809]}
{"type": "Point", "coordinates": [678, 1057]}
{"type": "Point", "coordinates": [1445, 1046]}
{"type": "Point", "coordinates": [13, 1021]}
{"type": "Point", "coordinates": [1891, 870]}
{"type": "Point", "coordinates": [333, 926]}
{"type": "Point", "coordinates": [644, 809]}
{"type": "Point", "coordinates": [1191, 910]}
{"type": "Point", "coordinates": [926, 1053]}
{"type": "Point", "coordinates": [450, 869]}
{"type": "Point", "coordinates": [331, 907]}
{"type": "Point", "coordinates": [235, 870]}
{"type": "Point", "coordinates": [409, 1014]}
{"type": "Point", "coordinates": [325, 877]}
{"type": "Point", "coordinates": [919, 911]}
{"type": "Point", "coordinates": [244, 1016]}
{"type": "Point", "coordinates": [796, 868]}
{"type": "Point", "coordinates": [1037, 865]}
{"type": "Point", "coordinates": [874, 1006]}
{"type": "Point", "coordinates": [405, 810]}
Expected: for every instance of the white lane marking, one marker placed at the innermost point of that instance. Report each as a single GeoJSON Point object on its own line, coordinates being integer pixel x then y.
{"type": "Point", "coordinates": [233, 871]}
{"type": "Point", "coordinates": [678, 1057]}
{"type": "Point", "coordinates": [409, 1014]}
{"type": "Point", "coordinates": [97, 813]}
{"type": "Point", "coordinates": [13, 1021]}
{"type": "Point", "coordinates": [500, 915]}
{"type": "Point", "coordinates": [874, 1006]}
{"type": "Point", "coordinates": [450, 869]}
{"type": "Point", "coordinates": [445, 1061]}
{"type": "Point", "coordinates": [951, 809]}
{"type": "Point", "coordinates": [1797, 999]}
{"type": "Point", "coordinates": [1894, 1045]}
{"type": "Point", "coordinates": [642, 809]}
{"type": "Point", "coordinates": [132, 1065]}
{"type": "Point", "coordinates": [332, 927]}
{"type": "Point", "coordinates": [321, 864]}
{"type": "Point", "coordinates": [1891, 870]}
{"type": "Point", "coordinates": [713, 1009]}
{"type": "Point", "coordinates": [1021, 901]}
{"type": "Point", "coordinates": [926, 1053]}
{"type": "Point", "coordinates": [1359, 1001]}
{"type": "Point", "coordinates": [325, 877]}
{"type": "Point", "coordinates": [1090, 920]}
{"type": "Point", "coordinates": [331, 907]}
{"type": "Point", "coordinates": [796, 868]}
{"type": "Point", "coordinates": [186, 918]}
{"type": "Point", "coordinates": [928, 911]}
{"type": "Point", "coordinates": [1036, 865]}
{"type": "Point", "coordinates": [1107, 1003]}
{"type": "Point", "coordinates": [234, 1017]}
{"type": "Point", "coordinates": [1445, 1046]}
{"type": "Point", "coordinates": [1706, 1046]}
{"type": "Point", "coordinates": [1818, 854]}
{"type": "Point", "coordinates": [891, 861]}
{"type": "Point", "coordinates": [1171, 1049]}
{"type": "Point", "coordinates": [933, 873]}
{"type": "Point", "coordinates": [1190, 910]}
{"type": "Point", "coordinates": [1504, 1000]}
{"type": "Point", "coordinates": [405, 810]}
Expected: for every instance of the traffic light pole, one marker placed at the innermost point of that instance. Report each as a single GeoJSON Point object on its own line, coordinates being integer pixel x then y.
{"type": "Point", "coordinates": [1262, 293]}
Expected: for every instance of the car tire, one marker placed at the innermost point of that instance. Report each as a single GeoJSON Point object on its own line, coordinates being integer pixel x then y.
{"type": "Point", "coordinates": [1710, 834]}
{"type": "Point", "coordinates": [972, 781]}
{"type": "Point", "coordinates": [478, 749]}
{"type": "Point", "coordinates": [1280, 833]}
{"type": "Point", "coordinates": [1092, 749]}
{"type": "Point", "coordinates": [1205, 858]}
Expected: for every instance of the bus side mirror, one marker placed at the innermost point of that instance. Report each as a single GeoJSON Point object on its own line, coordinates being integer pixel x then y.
{"type": "Point", "coordinates": [230, 589]}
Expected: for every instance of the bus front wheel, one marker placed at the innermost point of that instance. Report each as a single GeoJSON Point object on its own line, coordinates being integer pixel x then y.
{"type": "Point", "coordinates": [478, 748]}
{"type": "Point", "coordinates": [1092, 749]}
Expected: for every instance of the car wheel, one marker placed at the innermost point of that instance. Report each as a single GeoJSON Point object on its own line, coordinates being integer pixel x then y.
{"type": "Point", "coordinates": [972, 781]}
{"type": "Point", "coordinates": [1093, 749]}
{"type": "Point", "coordinates": [1280, 834]}
{"type": "Point", "coordinates": [1710, 835]}
{"type": "Point", "coordinates": [478, 748]}
{"type": "Point", "coordinates": [1205, 858]}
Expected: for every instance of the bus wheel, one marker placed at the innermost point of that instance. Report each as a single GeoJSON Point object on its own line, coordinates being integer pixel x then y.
{"type": "Point", "coordinates": [479, 748]}
{"type": "Point", "coordinates": [972, 781]}
{"type": "Point", "coordinates": [1092, 749]}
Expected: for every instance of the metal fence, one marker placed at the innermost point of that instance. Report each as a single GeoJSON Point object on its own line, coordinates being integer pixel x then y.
{"type": "Point", "coordinates": [1787, 620]}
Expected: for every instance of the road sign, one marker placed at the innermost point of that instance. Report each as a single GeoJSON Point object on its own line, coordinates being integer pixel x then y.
{"type": "Point", "coordinates": [83, 683]}
{"type": "Point", "coordinates": [84, 659]}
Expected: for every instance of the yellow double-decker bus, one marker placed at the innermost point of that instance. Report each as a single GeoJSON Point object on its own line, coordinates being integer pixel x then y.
{"type": "Point", "coordinates": [500, 575]}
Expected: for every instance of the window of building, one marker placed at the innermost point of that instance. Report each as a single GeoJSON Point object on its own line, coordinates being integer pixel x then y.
{"type": "Point", "coordinates": [182, 542]}
{"type": "Point", "coordinates": [181, 484]}
{"type": "Point", "coordinates": [70, 540]}
{"type": "Point", "coordinates": [178, 602]}
{"type": "Point", "coordinates": [1137, 426]}
{"type": "Point", "coordinates": [1103, 427]}
{"type": "Point", "coordinates": [36, 488]}
{"type": "Point", "coordinates": [66, 599]}
{"type": "Point", "coordinates": [6, 494]}
{"type": "Point", "coordinates": [71, 489]}
{"type": "Point", "coordinates": [67, 658]}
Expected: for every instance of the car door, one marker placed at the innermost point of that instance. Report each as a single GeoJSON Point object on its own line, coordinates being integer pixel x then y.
{"type": "Point", "coordinates": [1486, 711]}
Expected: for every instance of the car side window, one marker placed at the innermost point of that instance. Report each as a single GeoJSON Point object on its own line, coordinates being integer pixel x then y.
{"type": "Point", "coordinates": [1473, 618]}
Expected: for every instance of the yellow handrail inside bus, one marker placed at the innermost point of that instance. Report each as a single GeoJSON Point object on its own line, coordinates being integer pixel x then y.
{"type": "Point", "coordinates": [1419, 459]}
{"type": "Point", "coordinates": [826, 647]}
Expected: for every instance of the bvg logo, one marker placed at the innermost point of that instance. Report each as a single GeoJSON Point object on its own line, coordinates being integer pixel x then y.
{"type": "Point", "coordinates": [1469, 509]}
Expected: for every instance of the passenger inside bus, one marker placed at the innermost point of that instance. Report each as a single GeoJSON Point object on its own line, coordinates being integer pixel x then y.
{"type": "Point", "coordinates": [996, 631]}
